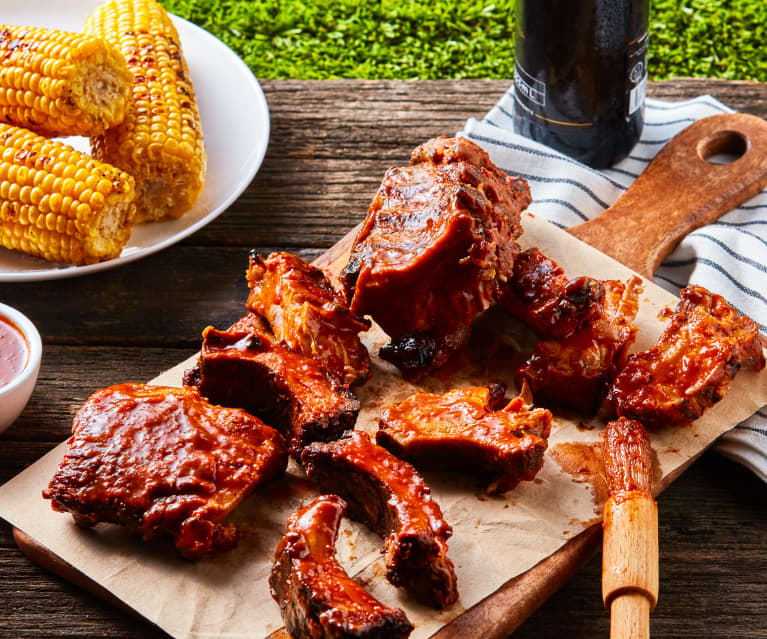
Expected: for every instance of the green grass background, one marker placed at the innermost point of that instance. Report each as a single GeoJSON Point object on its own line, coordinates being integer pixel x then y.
{"type": "Point", "coordinates": [320, 39]}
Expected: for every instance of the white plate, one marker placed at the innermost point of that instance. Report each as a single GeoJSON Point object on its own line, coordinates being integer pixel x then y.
{"type": "Point", "coordinates": [235, 122]}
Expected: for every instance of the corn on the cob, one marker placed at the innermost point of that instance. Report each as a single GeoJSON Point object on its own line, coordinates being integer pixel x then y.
{"type": "Point", "coordinates": [58, 83]}
{"type": "Point", "coordinates": [61, 204]}
{"type": "Point", "coordinates": [160, 142]}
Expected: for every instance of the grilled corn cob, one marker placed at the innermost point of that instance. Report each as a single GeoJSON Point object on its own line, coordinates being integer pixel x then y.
{"type": "Point", "coordinates": [59, 83]}
{"type": "Point", "coordinates": [61, 204]}
{"type": "Point", "coordinates": [160, 142]}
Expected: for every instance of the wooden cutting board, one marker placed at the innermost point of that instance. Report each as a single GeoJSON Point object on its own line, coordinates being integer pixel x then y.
{"type": "Point", "coordinates": [678, 192]}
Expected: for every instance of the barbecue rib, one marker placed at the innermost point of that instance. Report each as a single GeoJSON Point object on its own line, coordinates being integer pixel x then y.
{"type": "Point", "coordinates": [540, 295]}
{"type": "Point", "coordinates": [390, 497]}
{"type": "Point", "coordinates": [247, 369]}
{"type": "Point", "coordinates": [467, 430]}
{"type": "Point", "coordinates": [254, 324]}
{"type": "Point", "coordinates": [691, 366]}
{"type": "Point", "coordinates": [576, 370]}
{"type": "Point", "coordinates": [162, 461]}
{"type": "Point", "coordinates": [309, 315]}
{"type": "Point", "coordinates": [317, 598]}
{"type": "Point", "coordinates": [436, 246]}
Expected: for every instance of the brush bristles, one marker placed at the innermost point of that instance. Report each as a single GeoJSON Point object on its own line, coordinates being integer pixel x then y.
{"type": "Point", "coordinates": [627, 457]}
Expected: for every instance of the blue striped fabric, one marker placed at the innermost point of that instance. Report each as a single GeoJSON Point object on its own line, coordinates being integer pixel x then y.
{"type": "Point", "coordinates": [727, 257]}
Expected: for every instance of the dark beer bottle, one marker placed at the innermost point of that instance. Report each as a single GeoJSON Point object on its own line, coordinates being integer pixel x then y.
{"type": "Point", "coordinates": [580, 76]}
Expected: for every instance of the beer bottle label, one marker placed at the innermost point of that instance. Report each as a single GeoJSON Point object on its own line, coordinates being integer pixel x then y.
{"type": "Point", "coordinates": [531, 98]}
{"type": "Point", "coordinates": [529, 87]}
{"type": "Point", "coordinates": [637, 80]}
{"type": "Point", "coordinates": [580, 76]}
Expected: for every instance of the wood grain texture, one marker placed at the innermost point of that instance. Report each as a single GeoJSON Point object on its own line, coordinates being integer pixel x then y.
{"type": "Point", "coordinates": [681, 191]}
{"type": "Point", "coordinates": [630, 617]}
{"type": "Point", "coordinates": [630, 546]}
{"type": "Point", "coordinates": [331, 142]}
{"type": "Point", "coordinates": [630, 563]}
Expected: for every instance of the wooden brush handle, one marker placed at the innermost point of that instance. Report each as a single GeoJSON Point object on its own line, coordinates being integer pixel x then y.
{"type": "Point", "coordinates": [630, 563]}
{"type": "Point", "coordinates": [630, 617]}
{"type": "Point", "coordinates": [680, 191]}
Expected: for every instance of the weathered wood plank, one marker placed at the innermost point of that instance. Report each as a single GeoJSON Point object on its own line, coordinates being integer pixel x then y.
{"type": "Point", "coordinates": [712, 562]}
{"type": "Point", "coordinates": [166, 299]}
{"type": "Point", "coordinates": [68, 376]}
{"type": "Point", "coordinates": [327, 155]}
{"type": "Point", "coordinates": [331, 143]}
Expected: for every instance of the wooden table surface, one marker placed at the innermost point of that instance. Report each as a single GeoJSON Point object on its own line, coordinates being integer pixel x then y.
{"type": "Point", "coordinates": [330, 145]}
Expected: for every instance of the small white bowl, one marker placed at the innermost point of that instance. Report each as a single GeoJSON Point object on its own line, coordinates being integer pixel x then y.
{"type": "Point", "coordinates": [14, 396]}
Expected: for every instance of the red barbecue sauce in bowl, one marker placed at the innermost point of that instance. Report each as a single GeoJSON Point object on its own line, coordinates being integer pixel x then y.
{"type": "Point", "coordinates": [14, 351]}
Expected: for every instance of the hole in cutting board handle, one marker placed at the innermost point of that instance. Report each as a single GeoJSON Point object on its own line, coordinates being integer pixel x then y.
{"type": "Point", "coordinates": [724, 147]}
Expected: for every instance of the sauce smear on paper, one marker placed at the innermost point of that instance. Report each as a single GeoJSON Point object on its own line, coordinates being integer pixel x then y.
{"type": "Point", "coordinates": [583, 462]}
{"type": "Point", "coordinates": [13, 351]}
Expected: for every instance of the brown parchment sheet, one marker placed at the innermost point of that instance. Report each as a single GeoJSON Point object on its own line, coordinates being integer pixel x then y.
{"type": "Point", "coordinates": [495, 538]}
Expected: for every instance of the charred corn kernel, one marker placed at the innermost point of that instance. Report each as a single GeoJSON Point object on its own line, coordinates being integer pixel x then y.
{"type": "Point", "coordinates": [58, 83]}
{"type": "Point", "coordinates": [160, 142]}
{"type": "Point", "coordinates": [45, 213]}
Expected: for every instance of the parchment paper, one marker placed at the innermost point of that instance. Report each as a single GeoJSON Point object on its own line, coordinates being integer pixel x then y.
{"type": "Point", "coordinates": [494, 540]}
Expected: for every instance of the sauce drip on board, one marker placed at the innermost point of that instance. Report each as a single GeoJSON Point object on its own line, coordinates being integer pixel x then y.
{"type": "Point", "coordinates": [14, 351]}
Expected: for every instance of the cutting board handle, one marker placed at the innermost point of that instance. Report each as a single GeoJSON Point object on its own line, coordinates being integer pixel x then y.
{"type": "Point", "coordinates": [680, 191]}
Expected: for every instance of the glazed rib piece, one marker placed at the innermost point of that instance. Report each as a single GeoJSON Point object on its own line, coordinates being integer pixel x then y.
{"type": "Point", "coordinates": [305, 312]}
{"type": "Point", "coordinates": [691, 366]}
{"type": "Point", "coordinates": [254, 324]}
{"type": "Point", "coordinates": [436, 245]}
{"type": "Point", "coordinates": [317, 598]}
{"type": "Point", "coordinates": [246, 368]}
{"type": "Point", "coordinates": [540, 295]}
{"type": "Point", "coordinates": [248, 323]}
{"type": "Point", "coordinates": [391, 498]}
{"type": "Point", "coordinates": [576, 370]}
{"type": "Point", "coordinates": [164, 462]}
{"type": "Point", "coordinates": [466, 429]}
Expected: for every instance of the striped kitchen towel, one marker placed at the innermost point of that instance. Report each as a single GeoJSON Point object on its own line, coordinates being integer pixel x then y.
{"type": "Point", "coordinates": [726, 257]}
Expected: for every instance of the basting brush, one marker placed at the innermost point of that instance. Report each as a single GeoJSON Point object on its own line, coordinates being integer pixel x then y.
{"type": "Point", "coordinates": [630, 550]}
